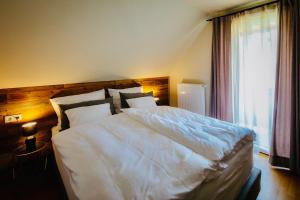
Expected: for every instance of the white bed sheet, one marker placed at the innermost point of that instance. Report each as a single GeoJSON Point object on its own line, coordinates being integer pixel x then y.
{"type": "Point", "coordinates": [226, 186]}
{"type": "Point", "coordinates": [64, 173]}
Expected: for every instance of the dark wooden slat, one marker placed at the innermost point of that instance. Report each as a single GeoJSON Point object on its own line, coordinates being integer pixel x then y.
{"type": "Point", "coordinates": [3, 98]}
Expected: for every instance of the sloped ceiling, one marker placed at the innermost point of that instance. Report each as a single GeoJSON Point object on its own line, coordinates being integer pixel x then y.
{"type": "Point", "coordinates": [67, 41]}
{"type": "Point", "coordinates": [208, 7]}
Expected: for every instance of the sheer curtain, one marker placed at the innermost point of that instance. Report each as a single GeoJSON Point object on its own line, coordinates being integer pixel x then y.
{"type": "Point", "coordinates": [254, 51]}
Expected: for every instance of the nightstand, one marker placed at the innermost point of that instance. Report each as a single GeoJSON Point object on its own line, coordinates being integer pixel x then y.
{"type": "Point", "coordinates": [33, 163]}
{"type": "Point", "coordinates": [6, 167]}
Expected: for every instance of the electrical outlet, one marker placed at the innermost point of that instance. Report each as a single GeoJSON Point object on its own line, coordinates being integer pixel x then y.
{"type": "Point", "coordinates": [12, 118]}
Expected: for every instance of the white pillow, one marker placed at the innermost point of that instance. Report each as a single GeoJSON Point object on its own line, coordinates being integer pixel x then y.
{"type": "Point", "coordinates": [115, 93]}
{"type": "Point", "coordinates": [97, 95]}
{"type": "Point", "coordinates": [141, 102]}
{"type": "Point", "coordinates": [87, 114]}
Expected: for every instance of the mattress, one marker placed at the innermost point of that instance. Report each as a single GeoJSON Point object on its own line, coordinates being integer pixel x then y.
{"type": "Point", "coordinates": [226, 186]}
{"type": "Point", "coordinates": [229, 184]}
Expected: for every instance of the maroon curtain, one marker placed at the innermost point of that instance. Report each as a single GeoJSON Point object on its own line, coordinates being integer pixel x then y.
{"type": "Point", "coordinates": [295, 125]}
{"type": "Point", "coordinates": [220, 98]}
{"type": "Point", "coordinates": [285, 150]}
{"type": "Point", "coordinates": [280, 149]}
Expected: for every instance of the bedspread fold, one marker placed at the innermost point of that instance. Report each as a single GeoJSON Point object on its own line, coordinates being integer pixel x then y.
{"type": "Point", "coordinates": [214, 139]}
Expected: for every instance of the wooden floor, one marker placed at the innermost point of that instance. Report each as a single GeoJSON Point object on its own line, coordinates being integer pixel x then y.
{"type": "Point", "coordinates": [276, 184]}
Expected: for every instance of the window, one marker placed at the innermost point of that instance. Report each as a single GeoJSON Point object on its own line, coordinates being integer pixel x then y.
{"type": "Point", "coordinates": [254, 51]}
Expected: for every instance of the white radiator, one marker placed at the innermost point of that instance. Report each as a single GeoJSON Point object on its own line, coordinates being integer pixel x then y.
{"type": "Point", "coordinates": [191, 97]}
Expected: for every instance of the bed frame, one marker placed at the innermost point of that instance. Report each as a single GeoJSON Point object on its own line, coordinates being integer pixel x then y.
{"type": "Point", "coordinates": [251, 188]}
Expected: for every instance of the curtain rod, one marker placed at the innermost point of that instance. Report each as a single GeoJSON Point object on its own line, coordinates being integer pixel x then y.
{"type": "Point", "coordinates": [238, 9]}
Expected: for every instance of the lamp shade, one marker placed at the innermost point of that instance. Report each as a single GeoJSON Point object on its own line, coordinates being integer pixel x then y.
{"type": "Point", "coordinates": [29, 129]}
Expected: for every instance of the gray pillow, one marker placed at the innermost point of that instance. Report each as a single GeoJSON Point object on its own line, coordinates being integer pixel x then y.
{"type": "Point", "coordinates": [125, 96]}
{"type": "Point", "coordinates": [65, 124]}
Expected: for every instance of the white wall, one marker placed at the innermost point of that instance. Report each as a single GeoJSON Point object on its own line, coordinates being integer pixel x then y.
{"type": "Point", "coordinates": [65, 41]}
{"type": "Point", "coordinates": [195, 64]}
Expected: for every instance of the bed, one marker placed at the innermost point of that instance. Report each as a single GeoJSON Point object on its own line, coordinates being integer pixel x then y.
{"type": "Point", "coordinates": [233, 176]}
{"type": "Point", "coordinates": [155, 153]}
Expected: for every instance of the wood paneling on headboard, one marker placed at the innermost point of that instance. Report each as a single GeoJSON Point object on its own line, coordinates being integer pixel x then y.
{"type": "Point", "coordinates": [34, 105]}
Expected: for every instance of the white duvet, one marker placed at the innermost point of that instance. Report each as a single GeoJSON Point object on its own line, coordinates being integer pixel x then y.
{"type": "Point", "coordinates": [121, 157]}
{"type": "Point", "coordinates": [212, 138]}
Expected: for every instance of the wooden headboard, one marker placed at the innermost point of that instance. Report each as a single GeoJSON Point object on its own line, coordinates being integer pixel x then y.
{"type": "Point", "coordinates": [34, 105]}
